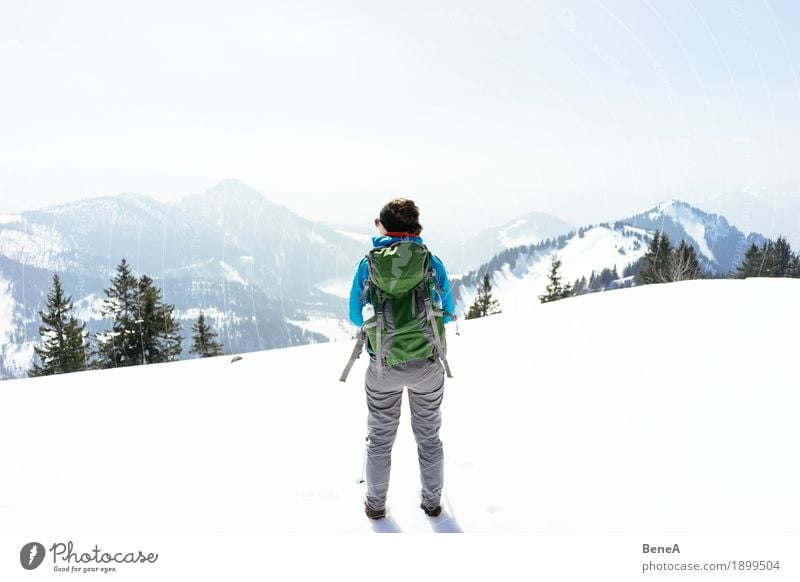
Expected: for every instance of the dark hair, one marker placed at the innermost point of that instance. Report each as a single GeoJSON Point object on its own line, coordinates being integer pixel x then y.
{"type": "Point", "coordinates": [401, 215]}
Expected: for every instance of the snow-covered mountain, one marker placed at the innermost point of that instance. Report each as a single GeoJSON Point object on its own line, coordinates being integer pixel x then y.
{"type": "Point", "coordinates": [519, 274]}
{"type": "Point", "coordinates": [770, 214]}
{"type": "Point", "coordinates": [264, 276]}
{"type": "Point", "coordinates": [464, 251]}
{"type": "Point", "coordinates": [530, 229]}
{"type": "Point", "coordinates": [720, 246]}
{"type": "Point", "coordinates": [555, 421]}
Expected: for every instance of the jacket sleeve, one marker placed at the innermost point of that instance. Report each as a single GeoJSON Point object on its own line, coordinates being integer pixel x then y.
{"type": "Point", "coordinates": [444, 283]}
{"type": "Point", "coordinates": [359, 280]}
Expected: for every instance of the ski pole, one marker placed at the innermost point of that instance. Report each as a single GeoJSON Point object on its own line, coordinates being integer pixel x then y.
{"type": "Point", "coordinates": [364, 464]}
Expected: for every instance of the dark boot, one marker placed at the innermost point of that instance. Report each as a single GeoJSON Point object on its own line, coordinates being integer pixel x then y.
{"type": "Point", "coordinates": [431, 511]}
{"type": "Point", "coordinates": [374, 513]}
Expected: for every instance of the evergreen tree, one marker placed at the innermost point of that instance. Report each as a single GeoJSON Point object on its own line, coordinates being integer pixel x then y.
{"type": "Point", "coordinates": [144, 330]}
{"type": "Point", "coordinates": [121, 345]}
{"type": "Point", "coordinates": [63, 347]}
{"type": "Point", "coordinates": [683, 264]}
{"type": "Point", "coordinates": [656, 260]}
{"type": "Point", "coordinates": [580, 286]}
{"type": "Point", "coordinates": [772, 259]}
{"type": "Point", "coordinates": [159, 339]}
{"type": "Point", "coordinates": [751, 266]}
{"type": "Point", "coordinates": [555, 289]}
{"type": "Point", "coordinates": [795, 268]}
{"type": "Point", "coordinates": [204, 341]}
{"type": "Point", "coordinates": [663, 264]}
{"type": "Point", "coordinates": [484, 304]}
{"type": "Point", "coordinates": [782, 258]}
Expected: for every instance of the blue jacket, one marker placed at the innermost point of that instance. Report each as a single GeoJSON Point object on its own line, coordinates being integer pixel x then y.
{"type": "Point", "coordinates": [356, 318]}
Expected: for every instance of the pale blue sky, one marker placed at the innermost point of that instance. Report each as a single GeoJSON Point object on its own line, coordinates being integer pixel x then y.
{"type": "Point", "coordinates": [589, 110]}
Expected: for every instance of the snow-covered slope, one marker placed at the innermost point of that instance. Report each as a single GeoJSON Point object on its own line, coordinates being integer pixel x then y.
{"type": "Point", "coordinates": [463, 250]}
{"type": "Point", "coordinates": [228, 251]}
{"type": "Point", "coordinates": [472, 251]}
{"type": "Point", "coordinates": [720, 246]}
{"type": "Point", "coordinates": [605, 412]}
{"type": "Point", "coordinates": [771, 214]}
{"type": "Point", "coordinates": [275, 279]}
{"type": "Point", "coordinates": [519, 274]}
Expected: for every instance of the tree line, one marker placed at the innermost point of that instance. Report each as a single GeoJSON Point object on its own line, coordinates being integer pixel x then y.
{"type": "Point", "coordinates": [771, 259]}
{"type": "Point", "coordinates": [143, 329]}
{"type": "Point", "coordinates": [662, 263]}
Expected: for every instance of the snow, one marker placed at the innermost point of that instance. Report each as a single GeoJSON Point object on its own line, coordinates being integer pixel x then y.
{"type": "Point", "coordinates": [89, 308]}
{"type": "Point", "coordinates": [559, 419]}
{"type": "Point", "coordinates": [338, 287]}
{"type": "Point", "coordinates": [37, 245]}
{"type": "Point", "coordinates": [685, 216]}
{"type": "Point", "coordinates": [231, 274]}
{"type": "Point", "coordinates": [218, 318]}
{"type": "Point", "coordinates": [335, 329]}
{"type": "Point", "coordinates": [7, 304]}
{"type": "Point", "coordinates": [514, 235]}
{"type": "Point", "coordinates": [8, 218]}
{"type": "Point", "coordinates": [356, 236]}
{"type": "Point", "coordinates": [599, 248]}
{"type": "Point", "coordinates": [17, 358]}
{"type": "Point", "coordinates": [316, 237]}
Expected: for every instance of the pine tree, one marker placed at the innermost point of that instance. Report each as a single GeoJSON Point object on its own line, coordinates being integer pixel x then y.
{"type": "Point", "coordinates": [120, 346]}
{"type": "Point", "coordinates": [656, 260]}
{"type": "Point", "coordinates": [144, 330]}
{"type": "Point", "coordinates": [751, 266]}
{"type": "Point", "coordinates": [772, 259]}
{"type": "Point", "coordinates": [158, 331]}
{"type": "Point", "coordinates": [204, 341]}
{"type": "Point", "coordinates": [795, 268]}
{"type": "Point", "coordinates": [63, 348]}
{"type": "Point", "coordinates": [782, 258]}
{"type": "Point", "coordinates": [555, 289]}
{"type": "Point", "coordinates": [484, 304]}
{"type": "Point", "coordinates": [683, 264]}
{"type": "Point", "coordinates": [579, 287]}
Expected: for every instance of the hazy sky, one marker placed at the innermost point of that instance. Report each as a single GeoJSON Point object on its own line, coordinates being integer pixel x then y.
{"type": "Point", "coordinates": [479, 111]}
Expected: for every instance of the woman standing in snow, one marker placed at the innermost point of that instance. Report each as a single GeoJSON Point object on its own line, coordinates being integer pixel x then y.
{"type": "Point", "coordinates": [422, 374]}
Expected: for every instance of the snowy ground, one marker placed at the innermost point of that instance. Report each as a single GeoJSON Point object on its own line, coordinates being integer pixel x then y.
{"type": "Point", "coordinates": [662, 408]}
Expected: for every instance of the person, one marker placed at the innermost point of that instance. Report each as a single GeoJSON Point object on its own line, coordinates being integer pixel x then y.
{"type": "Point", "coordinates": [424, 378]}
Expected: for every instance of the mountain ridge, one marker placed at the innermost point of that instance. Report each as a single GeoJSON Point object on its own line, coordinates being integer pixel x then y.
{"type": "Point", "coordinates": [269, 277]}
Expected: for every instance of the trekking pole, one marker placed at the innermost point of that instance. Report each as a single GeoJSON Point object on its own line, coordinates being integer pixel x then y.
{"type": "Point", "coordinates": [364, 464]}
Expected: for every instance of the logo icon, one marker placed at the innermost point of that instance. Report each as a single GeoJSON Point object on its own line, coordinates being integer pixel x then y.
{"type": "Point", "coordinates": [31, 555]}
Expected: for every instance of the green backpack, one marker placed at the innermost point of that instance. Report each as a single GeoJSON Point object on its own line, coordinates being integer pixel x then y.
{"type": "Point", "coordinates": [405, 325]}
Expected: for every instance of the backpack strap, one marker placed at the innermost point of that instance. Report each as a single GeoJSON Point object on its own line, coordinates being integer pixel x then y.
{"type": "Point", "coordinates": [437, 339]}
{"type": "Point", "coordinates": [364, 292]}
{"type": "Point", "coordinates": [452, 316]}
{"type": "Point", "coordinates": [378, 330]}
{"type": "Point", "coordinates": [362, 335]}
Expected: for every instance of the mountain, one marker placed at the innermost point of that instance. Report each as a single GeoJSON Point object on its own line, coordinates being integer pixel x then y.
{"type": "Point", "coordinates": [771, 215]}
{"type": "Point", "coordinates": [267, 278]}
{"type": "Point", "coordinates": [519, 274]}
{"type": "Point", "coordinates": [555, 421]}
{"type": "Point", "coordinates": [462, 252]}
{"type": "Point", "coordinates": [720, 246]}
{"type": "Point", "coordinates": [264, 276]}
{"type": "Point", "coordinates": [526, 230]}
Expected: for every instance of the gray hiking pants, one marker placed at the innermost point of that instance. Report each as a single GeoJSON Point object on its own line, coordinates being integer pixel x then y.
{"type": "Point", "coordinates": [425, 382]}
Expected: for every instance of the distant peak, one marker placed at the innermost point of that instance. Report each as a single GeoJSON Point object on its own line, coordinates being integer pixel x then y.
{"type": "Point", "coordinates": [233, 186]}
{"type": "Point", "coordinates": [671, 204]}
{"type": "Point", "coordinates": [226, 191]}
